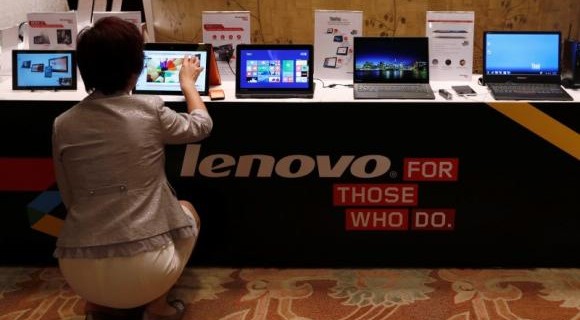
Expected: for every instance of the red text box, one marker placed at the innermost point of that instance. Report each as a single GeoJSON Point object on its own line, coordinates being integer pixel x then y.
{"type": "Point", "coordinates": [433, 219]}
{"type": "Point", "coordinates": [376, 219]}
{"type": "Point", "coordinates": [383, 195]}
{"type": "Point", "coordinates": [430, 169]}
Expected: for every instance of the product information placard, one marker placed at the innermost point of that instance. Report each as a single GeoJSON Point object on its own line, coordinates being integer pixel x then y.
{"type": "Point", "coordinates": [450, 45]}
{"type": "Point", "coordinates": [333, 42]}
{"type": "Point", "coordinates": [52, 30]}
{"type": "Point", "coordinates": [225, 30]}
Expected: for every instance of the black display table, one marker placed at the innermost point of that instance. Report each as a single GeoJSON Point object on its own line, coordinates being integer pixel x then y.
{"type": "Point", "coordinates": [340, 184]}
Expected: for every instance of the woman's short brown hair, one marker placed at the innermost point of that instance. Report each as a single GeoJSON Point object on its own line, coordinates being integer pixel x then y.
{"type": "Point", "coordinates": [109, 53]}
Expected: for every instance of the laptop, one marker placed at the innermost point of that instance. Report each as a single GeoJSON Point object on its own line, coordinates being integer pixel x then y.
{"type": "Point", "coordinates": [160, 74]}
{"type": "Point", "coordinates": [274, 71]}
{"type": "Point", "coordinates": [523, 65]}
{"type": "Point", "coordinates": [391, 68]}
{"type": "Point", "coordinates": [44, 70]}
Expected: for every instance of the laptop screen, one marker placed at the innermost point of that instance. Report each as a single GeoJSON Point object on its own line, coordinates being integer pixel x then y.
{"type": "Point", "coordinates": [264, 69]}
{"type": "Point", "coordinates": [391, 60]}
{"type": "Point", "coordinates": [162, 63]}
{"type": "Point", "coordinates": [44, 69]}
{"type": "Point", "coordinates": [522, 53]}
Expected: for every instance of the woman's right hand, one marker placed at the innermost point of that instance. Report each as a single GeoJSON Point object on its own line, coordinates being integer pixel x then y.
{"type": "Point", "coordinates": [190, 70]}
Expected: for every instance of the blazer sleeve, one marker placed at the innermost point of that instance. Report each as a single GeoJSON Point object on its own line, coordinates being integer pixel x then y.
{"type": "Point", "coordinates": [179, 127]}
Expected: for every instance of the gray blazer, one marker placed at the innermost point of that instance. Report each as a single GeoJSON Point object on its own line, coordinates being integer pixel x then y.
{"type": "Point", "coordinates": [110, 168]}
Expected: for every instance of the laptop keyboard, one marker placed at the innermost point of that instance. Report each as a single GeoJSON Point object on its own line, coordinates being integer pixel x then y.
{"type": "Point", "coordinates": [388, 88]}
{"type": "Point", "coordinates": [528, 91]}
{"type": "Point", "coordinates": [393, 91]}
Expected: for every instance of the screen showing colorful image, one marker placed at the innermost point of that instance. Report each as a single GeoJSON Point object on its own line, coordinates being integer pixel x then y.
{"type": "Point", "coordinates": [161, 71]}
{"type": "Point", "coordinates": [521, 53]}
{"type": "Point", "coordinates": [44, 70]}
{"type": "Point", "coordinates": [267, 68]}
{"type": "Point", "coordinates": [391, 60]}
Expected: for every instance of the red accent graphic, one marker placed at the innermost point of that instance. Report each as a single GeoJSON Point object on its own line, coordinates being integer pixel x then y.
{"type": "Point", "coordinates": [433, 219]}
{"type": "Point", "coordinates": [377, 219]}
{"type": "Point", "coordinates": [26, 174]}
{"type": "Point", "coordinates": [220, 27]}
{"type": "Point", "coordinates": [43, 24]}
{"type": "Point", "coordinates": [384, 195]}
{"type": "Point", "coordinates": [430, 169]}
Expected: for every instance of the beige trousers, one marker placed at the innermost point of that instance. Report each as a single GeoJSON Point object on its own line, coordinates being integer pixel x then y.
{"type": "Point", "coordinates": [128, 282]}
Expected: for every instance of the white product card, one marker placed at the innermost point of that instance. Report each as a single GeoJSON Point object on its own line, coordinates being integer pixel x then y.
{"type": "Point", "coordinates": [225, 30]}
{"type": "Point", "coordinates": [334, 31]}
{"type": "Point", "coordinates": [99, 5]}
{"type": "Point", "coordinates": [84, 12]}
{"type": "Point", "coordinates": [117, 5]}
{"type": "Point", "coordinates": [450, 36]}
{"type": "Point", "coordinates": [52, 30]}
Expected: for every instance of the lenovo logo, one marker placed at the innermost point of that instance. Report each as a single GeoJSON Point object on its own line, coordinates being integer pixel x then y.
{"type": "Point", "coordinates": [290, 166]}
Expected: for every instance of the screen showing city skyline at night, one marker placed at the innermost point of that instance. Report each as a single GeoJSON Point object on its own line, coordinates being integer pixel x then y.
{"type": "Point", "coordinates": [391, 60]}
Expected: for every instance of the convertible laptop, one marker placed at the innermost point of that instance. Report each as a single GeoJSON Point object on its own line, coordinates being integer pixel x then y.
{"type": "Point", "coordinates": [163, 61]}
{"type": "Point", "coordinates": [274, 71]}
{"type": "Point", "coordinates": [523, 65]}
{"type": "Point", "coordinates": [391, 68]}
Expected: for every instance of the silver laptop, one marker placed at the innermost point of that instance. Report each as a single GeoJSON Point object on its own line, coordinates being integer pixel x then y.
{"type": "Point", "coordinates": [523, 65]}
{"type": "Point", "coordinates": [391, 68]}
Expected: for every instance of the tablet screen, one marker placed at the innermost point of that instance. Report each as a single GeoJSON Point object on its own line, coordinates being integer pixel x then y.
{"type": "Point", "coordinates": [274, 70]}
{"type": "Point", "coordinates": [160, 74]}
{"type": "Point", "coordinates": [44, 70]}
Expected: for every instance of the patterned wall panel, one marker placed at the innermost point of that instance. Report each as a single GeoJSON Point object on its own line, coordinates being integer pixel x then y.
{"type": "Point", "coordinates": [278, 21]}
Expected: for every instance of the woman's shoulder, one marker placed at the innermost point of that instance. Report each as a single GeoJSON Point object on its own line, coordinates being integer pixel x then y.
{"type": "Point", "coordinates": [149, 100]}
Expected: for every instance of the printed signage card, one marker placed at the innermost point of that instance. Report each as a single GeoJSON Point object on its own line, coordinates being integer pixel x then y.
{"type": "Point", "coordinates": [225, 30]}
{"type": "Point", "coordinates": [52, 30]}
{"type": "Point", "coordinates": [333, 42]}
{"type": "Point", "coordinates": [450, 36]}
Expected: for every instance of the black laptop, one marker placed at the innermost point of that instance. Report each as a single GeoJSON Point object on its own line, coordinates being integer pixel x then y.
{"type": "Point", "coordinates": [391, 68]}
{"type": "Point", "coordinates": [274, 71]}
{"type": "Point", "coordinates": [523, 65]}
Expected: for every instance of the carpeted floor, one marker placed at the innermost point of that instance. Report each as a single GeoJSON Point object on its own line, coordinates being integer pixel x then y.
{"type": "Point", "coordinates": [326, 294]}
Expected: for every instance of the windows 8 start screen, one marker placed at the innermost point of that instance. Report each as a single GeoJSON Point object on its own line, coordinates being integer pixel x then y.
{"type": "Point", "coordinates": [274, 69]}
